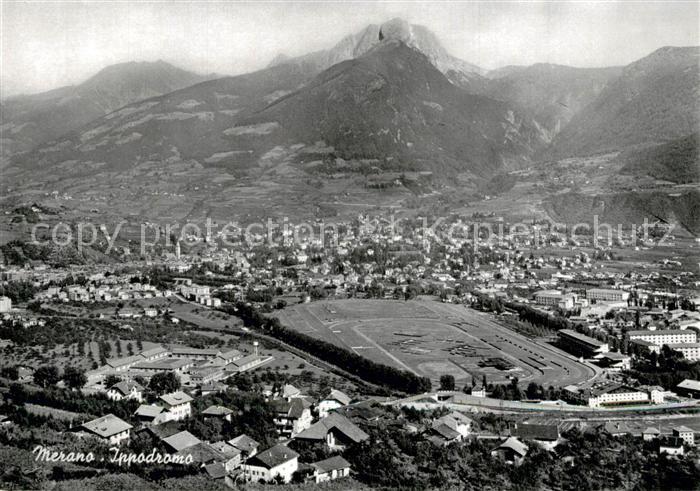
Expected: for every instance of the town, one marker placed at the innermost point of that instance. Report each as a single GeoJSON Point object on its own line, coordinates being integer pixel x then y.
{"type": "Point", "coordinates": [247, 360]}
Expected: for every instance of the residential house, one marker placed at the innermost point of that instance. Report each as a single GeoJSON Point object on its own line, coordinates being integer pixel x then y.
{"type": "Point", "coordinates": [330, 469]}
{"type": "Point", "coordinates": [336, 430]}
{"type": "Point", "coordinates": [276, 462]}
{"type": "Point", "coordinates": [334, 400]}
{"type": "Point", "coordinates": [233, 456]}
{"type": "Point", "coordinates": [108, 428]}
{"type": "Point", "coordinates": [218, 412]}
{"type": "Point", "coordinates": [684, 433]}
{"type": "Point", "coordinates": [511, 451]}
{"type": "Point", "coordinates": [450, 428]}
{"type": "Point", "coordinates": [689, 388]}
{"type": "Point", "coordinates": [546, 435]}
{"type": "Point", "coordinates": [180, 441]}
{"type": "Point", "coordinates": [247, 446]}
{"type": "Point", "coordinates": [291, 417]}
{"type": "Point", "coordinates": [125, 390]}
{"type": "Point", "coordinates": [650, 434]}
{"type": "Point", "coordinates": [151, 414]}
{"type": "Point", "coordinates": [178, 405]}
{"type": "Point", "coordinates": [671, 446]}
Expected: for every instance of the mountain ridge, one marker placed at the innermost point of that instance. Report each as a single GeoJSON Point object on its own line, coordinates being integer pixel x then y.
{"type": "Point", "coordinates": [30, 120]}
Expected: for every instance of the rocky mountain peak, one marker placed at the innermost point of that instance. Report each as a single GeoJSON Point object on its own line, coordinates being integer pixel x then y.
{"type": "Point", "coordinates": [396, 29]}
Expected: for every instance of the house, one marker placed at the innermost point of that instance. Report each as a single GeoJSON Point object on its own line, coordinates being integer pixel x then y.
{"type": "Point", "coordinates": [457, 422]}
{"type": "Point", "coordinates": [151, 414]}
{"type": "Point", "coordinates": [202, 454]}
{"type": "Point", "coordinates": [335, 430]}
{"type": "Point", "coordinates": [180, 441]}
{"type": "Point", "coordinates": [289, 392]}
{"type": "Point", "coordinates": [217, 472]}
{"type": "Point", "coordinates": [650, 434]}
{"type": "Point", "coordinates": [278, 462]}
{"type": "Point", "coordinates": [220, 412]}
{"type": "Point", "coordinates": [684, 433]}
{"type": "Point", "coordinates": [546, 435]}
{"type": "Point", "coordinates": [334, 400]}
{"type": "Point", "coordinates": [291, 417]}
{"type": "Point", "coordinates": [178, 405]}
{"type": "Point", "coordinates": [511, 451]}
{"type": "Point", "coordinates": [125, 390]}
{"type": "Point", "coordinates": [108, 428]}
{"type": "Point", "coordinates": [245, 444]}
{"type": "Point", "coordinates": [671, 446]}
{"type": "Point", "coordinates": [330, 469]}
{"type": "Point", "coordinates": [450, 428]}
{"type": "Point", "coordinates": [232, 455]}
{"type": "Point", "coordinates": [614, 361]}
{"type": "Point", "coordinates": [689, 388]}
{"type": "Point", "coordinates": [478, 391]}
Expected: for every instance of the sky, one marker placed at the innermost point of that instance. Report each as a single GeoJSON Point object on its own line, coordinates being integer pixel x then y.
{"type": "Point", "coordinates": [45, 45]}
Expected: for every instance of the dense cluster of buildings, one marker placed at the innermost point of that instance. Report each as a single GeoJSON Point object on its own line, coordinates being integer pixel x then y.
{"type": "Point", "coordinates": [195, 367]}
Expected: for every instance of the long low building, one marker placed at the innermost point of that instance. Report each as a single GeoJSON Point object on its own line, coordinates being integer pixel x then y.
{"type": "Point", "coordinates": [177, 365]}
{"type": "Point", "coordinates": [580, 344]}
{"type": "Point", "coordinates": [607, 295]}
{"type": "Point", "coordinates": [664, 336]}
{"type": "Point", "coordinates": [614, 394]}
{"type": "Point", "coordinates": [691, 351]}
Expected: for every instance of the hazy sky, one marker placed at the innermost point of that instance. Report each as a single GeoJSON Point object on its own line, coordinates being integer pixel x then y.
{"type": "Point", "coordinates": [50, 44]}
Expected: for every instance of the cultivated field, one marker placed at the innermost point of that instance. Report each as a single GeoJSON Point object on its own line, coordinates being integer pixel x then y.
{"type": "Point", "coordinates": [432, 339]}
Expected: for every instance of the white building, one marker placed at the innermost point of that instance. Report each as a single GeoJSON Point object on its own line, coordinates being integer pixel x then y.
{"type": "Point", "coordinates": [5, 304]}
{"type": "Point", "coordinates": [268, 464]}
{"type": "Point", "coordinates": [178, 405]}
{"type": "Point", "coordinates": [125, 390]}
{"type": "Point", "coordinates": [607, 295]}
{"type": "Point", "coordinates": [691, 351]}
{"type": "Point", "coordinates": [666, 336]}
{"type": "Point", "coordinates": [334, 400]}
{"type": "Point", "coordinates": [616, 394]}
{"type": "Point", "coordinates": [108, 428]}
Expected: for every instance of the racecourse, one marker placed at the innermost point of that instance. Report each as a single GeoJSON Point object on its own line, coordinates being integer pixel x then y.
{"type": "Point", "coordinates": [431, 339]}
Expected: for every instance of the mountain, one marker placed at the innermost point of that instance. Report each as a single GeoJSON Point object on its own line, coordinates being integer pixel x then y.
{"type": "Point", "coordinates": [415, 36]}
{"type": "Point", "coordinates": [30, 120]}
{"type": "Point", "coordinates": [551, 94]}
{"type": "Point", "coordinates": [394, 105]}
{"type": "Point", "coordinates": [390, 104]}
{"type": "Point", "coordinates": [676, 161]}
{"type": "Point", "coordinates": [654, 100]}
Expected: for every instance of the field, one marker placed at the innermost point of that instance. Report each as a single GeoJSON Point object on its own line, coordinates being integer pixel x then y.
{"type": "Point", "coordinates": [432, 339]}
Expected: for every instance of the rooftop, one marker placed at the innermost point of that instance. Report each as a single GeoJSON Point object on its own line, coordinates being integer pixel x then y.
{"type": "Point", "coordinates": [176, 398]}
{"type": "Point", "coordinates": [273, 457]}
{"type": "Point", "coordinates": [107, 426]}
{"type": "Point", "coordinates": [182, 440]}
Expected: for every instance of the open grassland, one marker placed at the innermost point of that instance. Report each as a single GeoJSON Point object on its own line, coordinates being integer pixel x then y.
{"type": "Point", "coordinates": [433, 339]}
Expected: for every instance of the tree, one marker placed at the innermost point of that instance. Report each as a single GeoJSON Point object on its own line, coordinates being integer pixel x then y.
{"type": "Point", "coordinates": [74, 377]}
{"type": "Point", "coordinates": [447, 382]}
{"type": "Point", "coordinates": [10, 372]}
{"type": "Point", "coordinates": [110, 380]}
{"type": "Point", "coordinates": [46, 375]}
{"type": "Point", "coordinates": [534, 391]}
{"type": "Point", "coordinates": [164, 383]}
